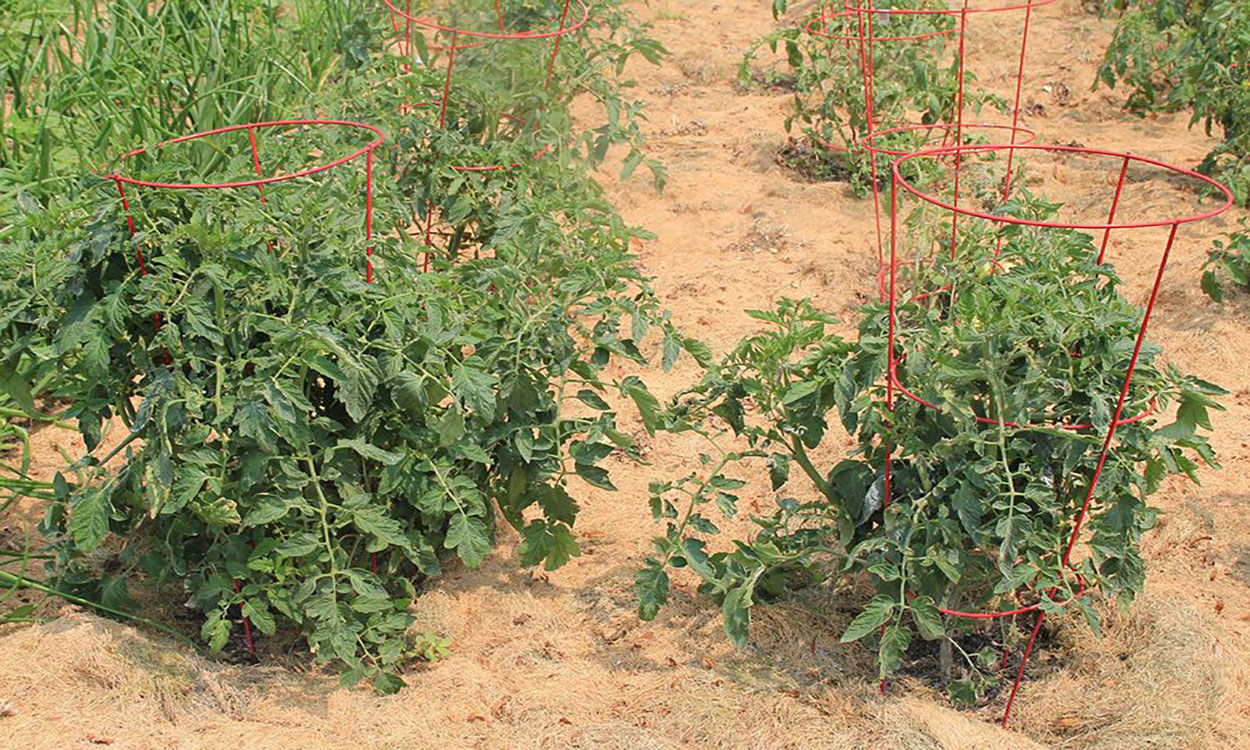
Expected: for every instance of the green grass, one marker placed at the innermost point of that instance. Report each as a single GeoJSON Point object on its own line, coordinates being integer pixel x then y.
{"type": "Point", "coordinates": [84, 80]}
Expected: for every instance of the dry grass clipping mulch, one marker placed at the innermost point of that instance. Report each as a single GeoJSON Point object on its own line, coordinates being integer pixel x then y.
{"type": "Point", "coordinates": [1155, 680]}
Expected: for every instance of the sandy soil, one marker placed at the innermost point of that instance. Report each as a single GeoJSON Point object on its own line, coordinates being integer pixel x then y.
{"type": "Point", "coordinates": [560, 660]}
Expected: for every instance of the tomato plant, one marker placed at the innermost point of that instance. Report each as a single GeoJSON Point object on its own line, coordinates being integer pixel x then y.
{"type": "Point", "coordinates": [1194, 56]}
{"type": "Point", "coordinates": [14, 485]}
{"type": "Point", "coordinates": [468, 171]}
{"type": "Point", "coordinates": [301, 450]}
{"type": "Point", "coordinates": [506, 128]}
{"type": "Point", "coordinates": [23, 379]}
{"type": "Point", "coordinates": [299, 445]}
{"type": "Point", "coordinates": [1019, 375]}
{"type": "Point", "coordinates": [912, 84]}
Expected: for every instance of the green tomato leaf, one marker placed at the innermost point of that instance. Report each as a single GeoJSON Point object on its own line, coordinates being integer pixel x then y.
{"type": "Point", "coordinates": [552, 544]}
{"type": "Point", "coordinates": [372, 520]}
{"type": "Point", "coordinates": [736, 610]}
{"type": "Point", "coordinates": [648, 405]}
{"type": "Point", "coordinates": [15, 387]}
{"type": "Point", "coordinates": [371, 452]}
{"type": "Point", "coordinates": [386, 683]}
{"type": "Point", "coordinates": [260, 616]}
{"type": "Point", "coordinates": [928, 619]}
{"type": "Point", "coordinates": [651, 586]}
{"type": "Point", "coordinates": [894, 644]}
{"type": "Point", "coordinates": [700, 351]}
{"type": "Point", "coordinates": [470, 538]}
{"type": "Point", "coordinates": [89, 517]}
{"type": "Point", "coordinates": [778, 470]}
{"type": "Point", "coordinates": [475, 388]}
{"type": "Point", "coordinates": [875, 614]}
{"type": "Point", "coordinates": [596, 476]}
{"type": "Point", "coordinates": [408, 390]}
{"type": "Point", "coordinates": [592, 399]}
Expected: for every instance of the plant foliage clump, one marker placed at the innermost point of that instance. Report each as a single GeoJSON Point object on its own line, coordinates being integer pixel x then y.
{"type": "Point", "coordinates": [1193, 55]}
{"type": "Point", "coordinates": [912, 84]}
{"type": "Point", "coordinates": [1014, 384]}
{"type": "Point", "coordinates": [299, 442]}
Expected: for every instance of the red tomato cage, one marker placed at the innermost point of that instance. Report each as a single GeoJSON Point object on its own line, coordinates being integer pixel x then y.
{"type": "Point", "coordinates": [284, 128]}
{"type": "Point", "coordinates": [280, 128]}
{"type": "Point", "coordinates": [1117, 165]}
{"type": "Point", "coordinates": [567, 17]}
{"type": "Point", "coordinates": [857, 25]}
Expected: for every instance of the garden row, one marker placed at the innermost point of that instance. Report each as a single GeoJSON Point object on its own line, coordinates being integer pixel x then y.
{"type": "Point", "coordinates": [301, 397]}
{"type": "Point", "coordinates": [1010, 417]}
